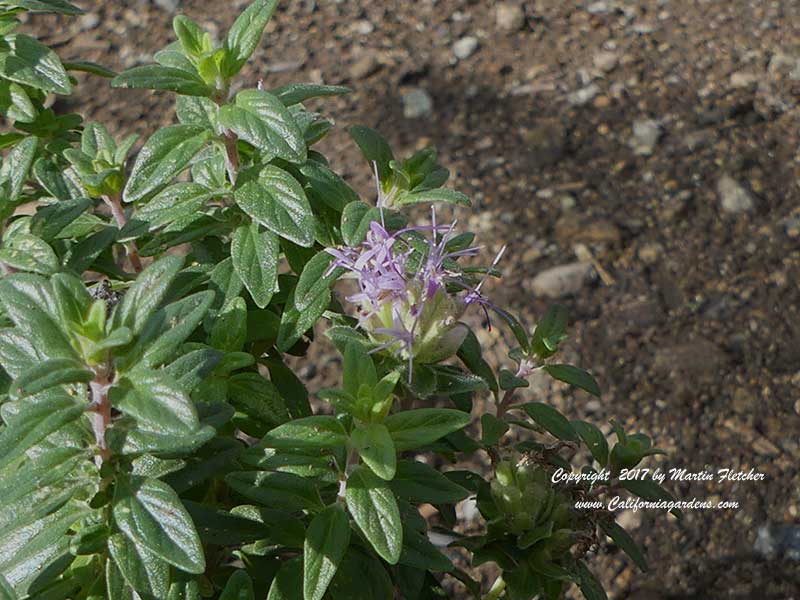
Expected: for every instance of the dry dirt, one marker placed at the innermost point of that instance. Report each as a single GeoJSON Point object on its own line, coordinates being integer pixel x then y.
{"type": "Point", "coordinates": [658, 139]}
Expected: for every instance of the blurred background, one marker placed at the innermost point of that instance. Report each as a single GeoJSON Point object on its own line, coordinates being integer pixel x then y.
{"type": "Point", "coordinates": [641, 160]}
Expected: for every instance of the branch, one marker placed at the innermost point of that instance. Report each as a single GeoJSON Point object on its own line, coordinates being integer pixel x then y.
{"type": "Point", "coordinates": [113, 202]}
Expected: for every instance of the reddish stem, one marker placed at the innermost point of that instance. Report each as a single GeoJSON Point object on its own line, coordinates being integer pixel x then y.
{"type": "Point", "coordinates": [113, 202]}
{"type": "Point", "coordinates": [100, 415]}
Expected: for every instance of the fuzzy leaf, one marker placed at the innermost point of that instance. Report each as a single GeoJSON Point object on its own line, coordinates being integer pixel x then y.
{"type": "Point", "coordinates": [375, 511]}
{"type": "Point", "coordinates": [157, 77]}
{"type": "Point", "coordinates": [255, 259]}
{"type": "Point", "coordinates": [325, 545]}
{"type": "Point", "coordinates": [162, 158]}
{"type": "Point", "coordinates": [151, 515]}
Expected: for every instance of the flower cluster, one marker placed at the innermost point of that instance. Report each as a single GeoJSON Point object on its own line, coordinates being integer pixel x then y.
{"type": "Point", "coordinates": [412, 306]}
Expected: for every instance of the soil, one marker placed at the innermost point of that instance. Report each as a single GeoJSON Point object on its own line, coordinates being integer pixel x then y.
{"type": "Point", "coordinates": [655, 139]}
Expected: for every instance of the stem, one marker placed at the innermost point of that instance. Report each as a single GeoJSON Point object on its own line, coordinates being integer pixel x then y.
{"type": "Point", "coordinates": [505, 403]}
{"type": "Point", "coordinates": [100, 414]}
{"type": "Point", "coordinates": [113, 202]}
{"type": "Point", "coordinates": [498, 587]}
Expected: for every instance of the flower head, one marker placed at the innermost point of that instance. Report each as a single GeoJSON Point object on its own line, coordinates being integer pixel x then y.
{"type": "Point", "coordinates": [407, 305]}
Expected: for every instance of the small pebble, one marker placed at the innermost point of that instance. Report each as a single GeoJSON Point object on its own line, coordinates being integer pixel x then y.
{"type": "Point", "coordinates": [465, 47]}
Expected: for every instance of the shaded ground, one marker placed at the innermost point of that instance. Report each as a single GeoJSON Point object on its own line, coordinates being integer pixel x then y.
{"type": "Point", "coordinates": [694, 328]}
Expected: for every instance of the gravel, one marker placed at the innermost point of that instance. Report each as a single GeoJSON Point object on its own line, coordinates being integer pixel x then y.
{"type": "Point", "coordinates": [465, 47]}
{"type": "Point", "coordinates": [563, 280]}
{"type": "Point", "coordinates": [509, 17]}
{"type": "Point", "coordinates": [417, 103]}
{"type": "Point", "coordinates": [733, 197]}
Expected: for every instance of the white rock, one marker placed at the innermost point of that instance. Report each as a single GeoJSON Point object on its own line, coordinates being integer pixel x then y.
{"type": "Point", "coordinates": [417, 103]}
{"type": "Point", "coordinates": [88, 21]}
{"type": "Point", "coordinates": [645, 136]}
{"type": "Point", "coordinates": [598, 8]}
{"type": "Point", "coordinates": [465, 47]}
{"type": "Point", "coordinates": [363, 27]}
{"type": "Point", "coordinates": [509, 17]}
{"type": "Point", "coordinates": [563, 280]}
{"type": "Point", "coordinates": [629, 519]}
{"type": "Point", "coordinates": [733, 197]}
{"type": "Point", "coordinates": [743, 79]}
{"type": "Point", "coordinates": [168, 5]}
{"type": "Point", "coordinates": [583, 96]}
{"type": "Point", "coordinates": [606, 61]}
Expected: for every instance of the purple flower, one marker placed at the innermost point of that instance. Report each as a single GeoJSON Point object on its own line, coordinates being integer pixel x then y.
{"type": "Point", "coordinates": [411, 312]}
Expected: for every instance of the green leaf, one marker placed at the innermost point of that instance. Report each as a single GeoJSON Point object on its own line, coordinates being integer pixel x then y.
{"type": "Point", "coordinates": [550, 331]}
{"type": "Point", "coordinates": [255, 259]}
{"type": "Point", "coordinates": [86, 66]}
{"type": "Point", "coordinates": [239, 587]}
{"type": "Point", "coordinates": [156, 77]}
{"type": "Point", "coordinates": [594, 440]}
{"type": "Point", "coordinates": [192, 38]}
{"type": "Point", "coordinates": [37, 419]}
{"type": "Point", "coordinates": [357, 369]}
{"type": "Point", "coordinates": [276, 490]}
{"type": "Point", "coordinates": [199, 111]}
{"type": "Point", "coordinates": [452, 381]}
{"type": "Point", "coordinates": [471, 355]}
{"type": "Point", "coordinates": [151, 515]}
{"type": "Point", "coordinates": [552, 420]}
{"type": "Point", "coordinates": [245, 34]}
{"type": "Point", "coordinates": [261, 119]}
{"type": "Point", "coordinates": [574, 376]}
{"type": "Point", "coordinates": [56, 6]}
{"type": "Point", "coordinates": [257, 398]}
{"type": "Point", "coordinates": [509, 381]}
{"type": "Point", "coordinates": [166, 330]}
{"type": "Point", "coordinates": [360, 576]}
{"type": "Point", "coordinates": [29, 62]}
{"type": "Point", "coordinates": [375, 446]}
{"type": "Point", "coordinates": [625, 542]}
{"type": "Point", "coordinates": [414, 428]}
{"type": "Point", "coordinates": [156, 402]}
{"type": "Point", "coordinates": [28, 301]}
{"type": "Point", "coordinates": [430, 196]}
{"type": "Point", "coordinates": [181, 200]}
{"type": "Point", "coordinates": [29, 253]}
{"type": "Point", "coordinates": [15, 103]}
{"type": "Point", "coordinates": [417, 482]}
{"type": "Point", "coordinates": [294, 322]}
{"type": "Point", "coordinates": [163, 156]}
{"type": "Point", "coordinates": [309, 433]}
{"type": "Point", "coordinates": [419, 552]}
{"type": "Point", "coordinates": [83, 254]}
{"type": "Point", "coordinates": [144, 572]}
{"type": "Point", "coordinates": [325, 545]}
{"type": "Point", "coordinates": [325, 187]}
{"type": "Point", "coordinates": [277, 202]}
{"type": "Point", "coordinates": [288, 582]}
{"type": "Point", "coordinates": [30, 549]}
{"type": "Point", "coordinates": [14, 171]}
{"type": "Point", "coordinates": [294, 93]}
{"type": "Point", "coordinates": [230, 328]}
{"type": "Point", "coordinates": [51, 219]}
{"type": "Point", "coordinates": [492, 429]}
{"type": "Point", "coordinates": [375, 149]}
{"type": "Point", "coordinates": [375, 511]}
{"type": "Point", "coordinates": [314, 281]}
{"type": "Point", "coordinates": [291, 389]}
{"type": "Point", "coordinates": [50, 373]}
{"type": "Point", "coordinates": [590, 587]}
{"type": "Point", "coordinates": [147, 292]}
